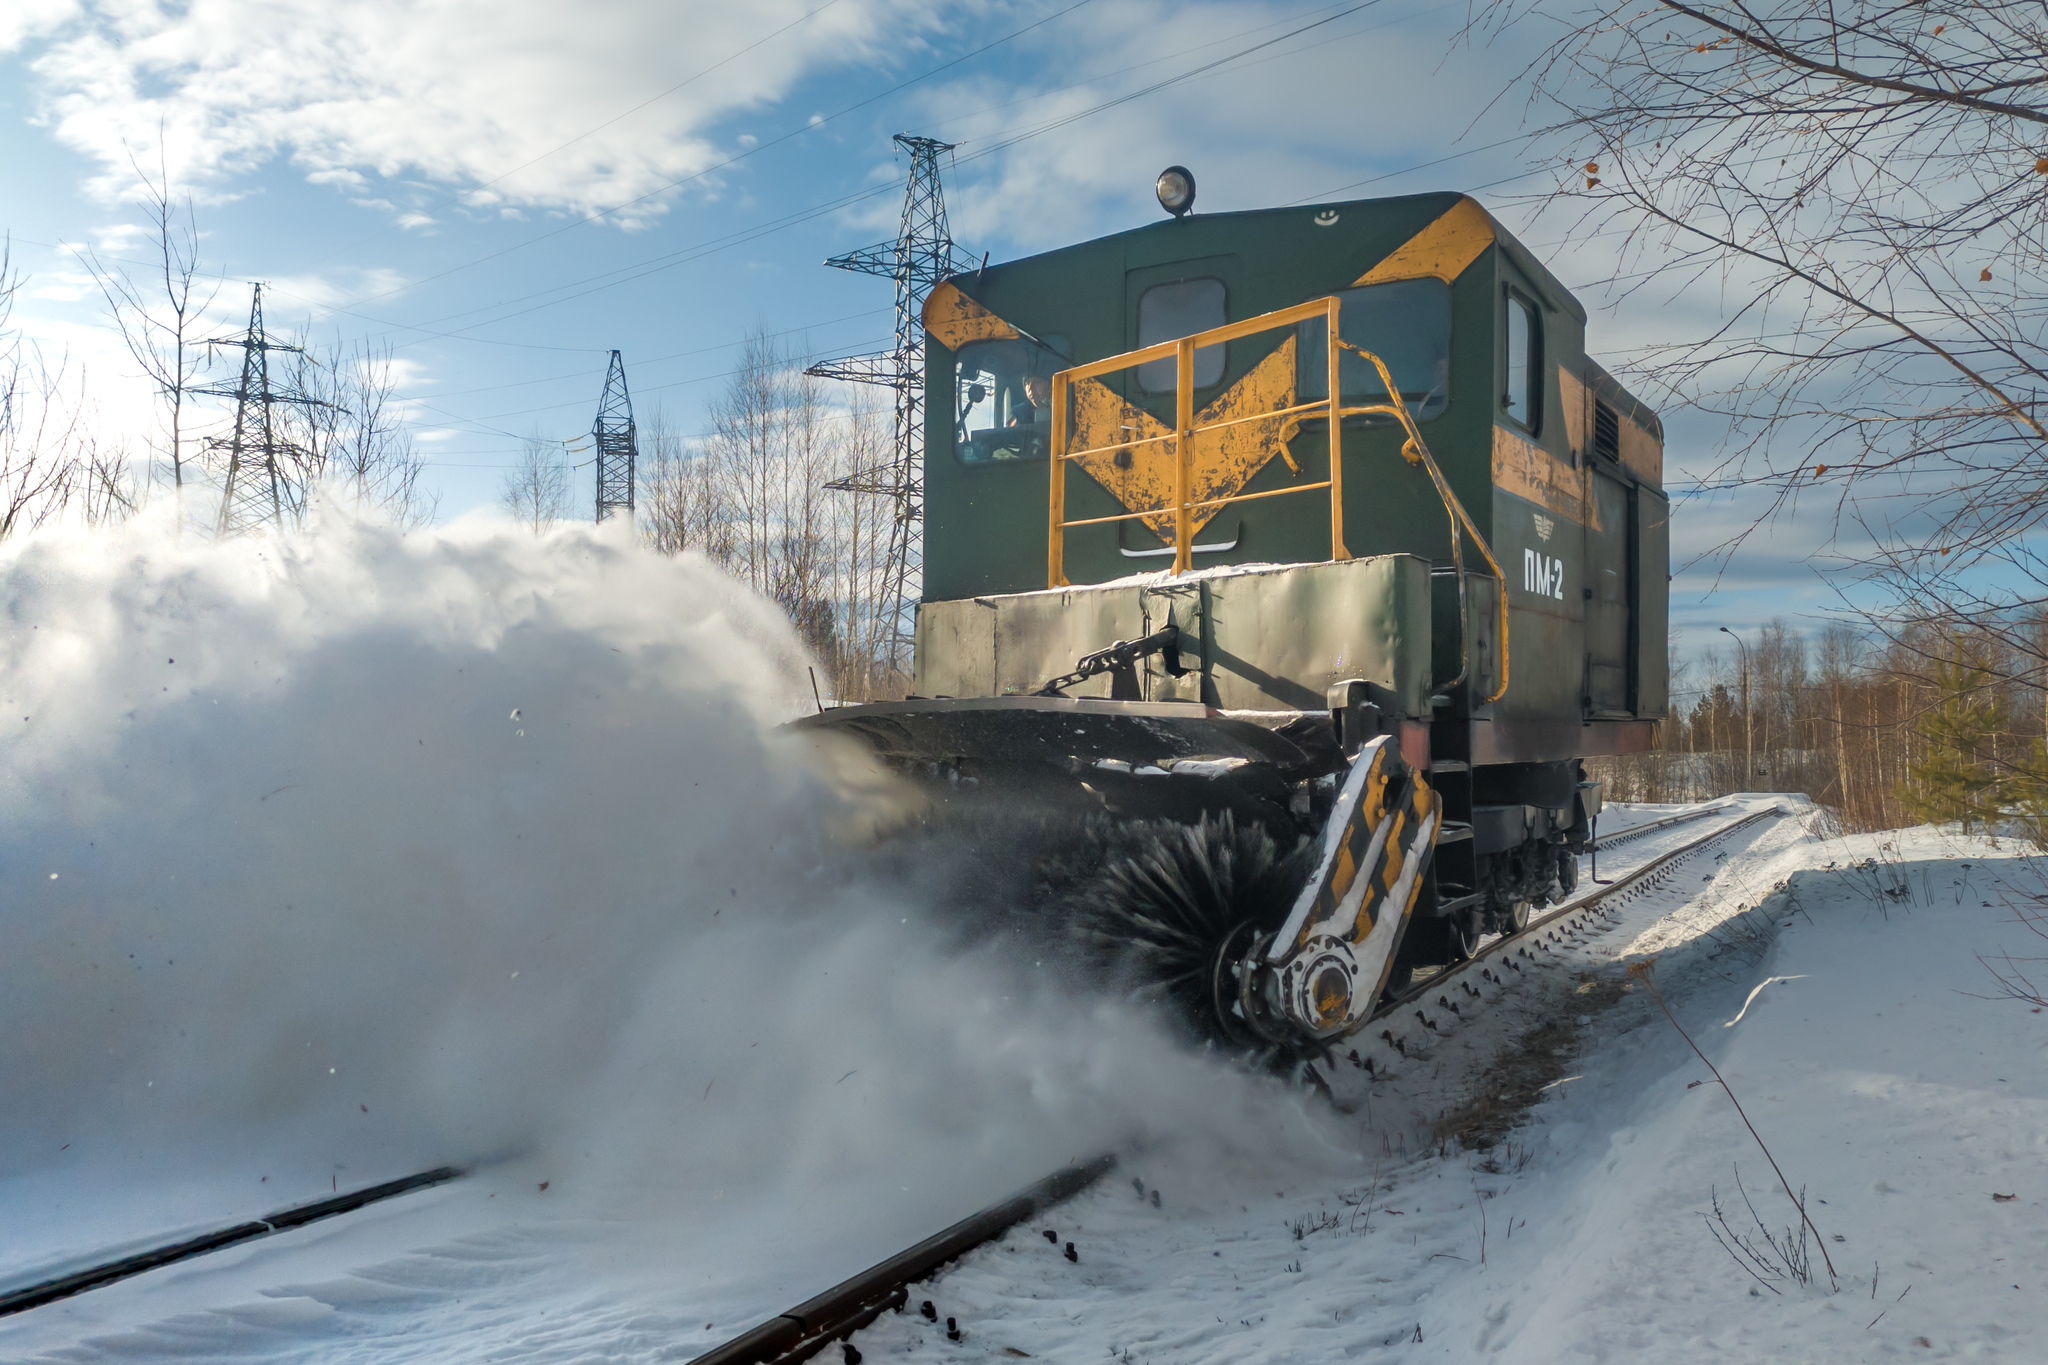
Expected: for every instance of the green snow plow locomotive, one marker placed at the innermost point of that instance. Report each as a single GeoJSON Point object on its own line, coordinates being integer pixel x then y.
{"type": "Point", "coordinates": [1296, 559]}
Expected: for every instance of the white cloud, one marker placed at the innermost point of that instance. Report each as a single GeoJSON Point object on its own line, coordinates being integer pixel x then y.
{"type": "Point", "coordinates": [461, 94]}
{"type": "Point", "coordinates": [318, 294]}
{"type": "Point", "coordinates": [22, 20]}
{"type": "Point", "coordinates": [1272, 124]}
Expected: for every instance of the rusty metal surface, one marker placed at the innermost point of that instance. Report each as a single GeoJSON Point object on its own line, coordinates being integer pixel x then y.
{"type": "Point", "coordinates": [957, 320]}
{"type": "Point", "coordinates": [1281, 638]}
{"type": "Point", "coordinates": [1131, 453]}
{"type": "Point", "coordinates": [1443, 249]}
{"type": "Point", "coordinates": [1189, 474]}
{"type": "Point", "coordinates": [1257, 640]}
{"type": "Point", "coordinates": [1527, 470]}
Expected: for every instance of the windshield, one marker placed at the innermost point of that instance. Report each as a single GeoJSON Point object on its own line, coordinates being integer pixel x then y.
{"type": "Point", "coordinates": [1002, 399]}
{"type": "Point", "coordinates": [1168, 312]}
{"type": "Point", "coordinates": [1407, 324]}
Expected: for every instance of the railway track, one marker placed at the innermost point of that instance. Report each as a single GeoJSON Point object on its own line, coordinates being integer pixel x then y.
{"type": "Point", "coordinates": [845, 1308]}
{"type": "Point", "coordinates": [234, 1234]}
{"type": "Point", "coordinates": [1568, 916]}
{"type": "Point", "coordinates": [835, 1315]}
{"type": "Point", "coordinates": [1634, 832]}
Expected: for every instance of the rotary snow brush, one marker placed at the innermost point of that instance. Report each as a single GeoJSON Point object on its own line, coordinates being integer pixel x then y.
{"type": "Point", "coordinates": [1263, 920]}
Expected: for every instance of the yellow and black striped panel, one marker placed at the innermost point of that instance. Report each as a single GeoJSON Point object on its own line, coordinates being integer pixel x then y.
{"type": "Point", "coordinates": [1382, 783]}
{"type": "Point", "coordinates": [1417, 802]}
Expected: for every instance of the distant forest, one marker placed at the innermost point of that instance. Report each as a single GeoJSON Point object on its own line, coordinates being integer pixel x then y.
{"type": "Point", "coordinates": [1931, 725]}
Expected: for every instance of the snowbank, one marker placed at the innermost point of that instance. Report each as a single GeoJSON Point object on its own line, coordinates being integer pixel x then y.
{"type": "Point", "coordinates": [1911, 1111]}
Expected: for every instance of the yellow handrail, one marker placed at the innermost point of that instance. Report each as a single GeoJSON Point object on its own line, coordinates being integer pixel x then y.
{"type": "Point", "coordinates": [1185, 430]}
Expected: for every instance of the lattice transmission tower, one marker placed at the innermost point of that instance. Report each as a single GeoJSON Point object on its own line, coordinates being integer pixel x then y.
{"type": "Point", "coordinates": [255, 491]}
{"type": "Point", "coordinates": [920, 255]}
{"type": "Point", "coordinates": [617, 448]}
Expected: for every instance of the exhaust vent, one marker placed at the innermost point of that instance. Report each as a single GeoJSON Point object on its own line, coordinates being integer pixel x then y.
{"type": "Point", "coordinates": [1606, 432]}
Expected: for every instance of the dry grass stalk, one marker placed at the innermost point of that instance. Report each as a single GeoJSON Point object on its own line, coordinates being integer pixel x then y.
{"type": "Point", "coordinates": [1644, 971]}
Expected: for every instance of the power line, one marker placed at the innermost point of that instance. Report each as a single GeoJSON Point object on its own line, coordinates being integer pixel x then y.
{"type": "Point", "coordinates": [673, 355]}
{"type": "Point", "coordinates": [611, 279]}
{"type": "Point", "coordinates": [1193, 73]}
{"type": "Point", "coordinates": [556, 407]}
{"type": "Point", "coordinates": [734, 160]}
{"type": "Point", "coordinates": [652, 265]}
{"type": "Point", "coordinates": [1157, 86]}
{"type": "Point", "coordinates": [684, 255]}
{"type": "Point", "coordinates": [588, 132]}
{"type": "Point", "coordinates": [1101, 76]}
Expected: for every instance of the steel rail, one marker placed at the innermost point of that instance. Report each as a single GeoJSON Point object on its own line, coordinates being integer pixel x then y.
{"type": "Point", "coordinates": [1566, 911]}
{"type": "Point", "coordinates": [1628, 832]}
{"type": "Point", "coordinates": [107, 1272]}
{"type": "Point", "coordinates": [845, 1308]}
{"type": "Point", "coordinates": [839, 1312]}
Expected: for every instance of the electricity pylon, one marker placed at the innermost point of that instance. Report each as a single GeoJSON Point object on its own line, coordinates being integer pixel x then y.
{"type": "Point", "coordinates": [920, 256]}
{"type": "Point", "coordinates": [255, 489]}
{"type": "Point", "coordinates": [617, 449]}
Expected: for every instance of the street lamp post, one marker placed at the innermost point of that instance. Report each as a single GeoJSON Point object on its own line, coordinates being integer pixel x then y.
{"type": "Point", "coordinates": [1748, 740]}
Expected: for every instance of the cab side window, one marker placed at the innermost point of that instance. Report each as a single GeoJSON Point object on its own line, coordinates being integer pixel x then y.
{"type": "Point", "coordinates": [1522, 397]}
{"type": "Point", "coordinates": [1168, 312]}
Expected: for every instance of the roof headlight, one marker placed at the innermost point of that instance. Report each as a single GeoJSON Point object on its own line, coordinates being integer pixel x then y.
{"type": "Point", "coordinates": [1176, 189]}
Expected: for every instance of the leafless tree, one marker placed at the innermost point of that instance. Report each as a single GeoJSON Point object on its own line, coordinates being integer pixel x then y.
{"type": "Point", "coordinates": [682, 501]}
{"type": "Point", "coordinates": [863, 526]}
{"type": "Point", "coordinates": [46, 455]}
{"type": "Point", "coordinates": [769, 444]}
{"type": "Point", "coordinates": [1864, 180]}
{"type": "Point", "coordinates": [536, 490]}
{"type": "Point", "coordinates": [751, 495]}
{"type": "Point", "coordinates": [351, 446]}
{"type": "Point", "coordinates": [159, 317]}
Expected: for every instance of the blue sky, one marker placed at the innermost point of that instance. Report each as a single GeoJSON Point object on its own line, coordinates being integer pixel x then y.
{"type": "Point", "coordinates": [503, 192]}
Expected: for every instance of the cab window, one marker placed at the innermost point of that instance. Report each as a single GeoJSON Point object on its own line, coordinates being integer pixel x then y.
{"type": "Point", "coordinates": [1521, 398]}
{"type": "Point", "coordinates": [1002, 399]}
{"type": "Point", "coordinates": [1168, 312]}
{"type": "Point", "coordinates": [1407, 324]}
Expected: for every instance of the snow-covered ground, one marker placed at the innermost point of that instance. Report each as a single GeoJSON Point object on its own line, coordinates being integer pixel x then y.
{"type": "Point", "coordinates": [700, 1080]}
{"type": "Point", "coordinates": [1900, 1100]}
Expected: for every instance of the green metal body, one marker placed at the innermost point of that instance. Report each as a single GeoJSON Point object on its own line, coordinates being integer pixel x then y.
{"type": "Point", "coordinates": [1582, 542]}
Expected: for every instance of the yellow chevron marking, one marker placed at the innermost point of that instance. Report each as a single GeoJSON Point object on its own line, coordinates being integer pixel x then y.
{"type": "Point", "coordinates": [1139, 471]}
{"type": "Point", "coordinates": [1135, 459]}
{"type": "Point", "coordinates": [1442, 249]}
{"type": "Point", "coordinates": [957, 320]}
{"type": "Point", "coordinates": [1341, 875]}
{"type": "Point", "coordinates": [1527, 470]}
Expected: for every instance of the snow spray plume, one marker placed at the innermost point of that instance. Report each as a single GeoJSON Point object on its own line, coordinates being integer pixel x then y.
{"type": "Point", "coordinates": [398, 849]}
{"type": "Point", "coordinates": [361, 822]}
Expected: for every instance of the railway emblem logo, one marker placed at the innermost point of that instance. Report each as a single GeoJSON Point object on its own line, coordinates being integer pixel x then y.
{"type": "Point", "coordinates": [1327, 218]}
{"type": "Point", "coordinates": [1544, 526]}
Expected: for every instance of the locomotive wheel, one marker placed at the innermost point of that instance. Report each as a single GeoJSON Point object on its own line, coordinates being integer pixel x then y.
{"type": "Point", "coordinates": [1518, 917]}
{"type": "Point", "coordinates": [1461, 935]}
